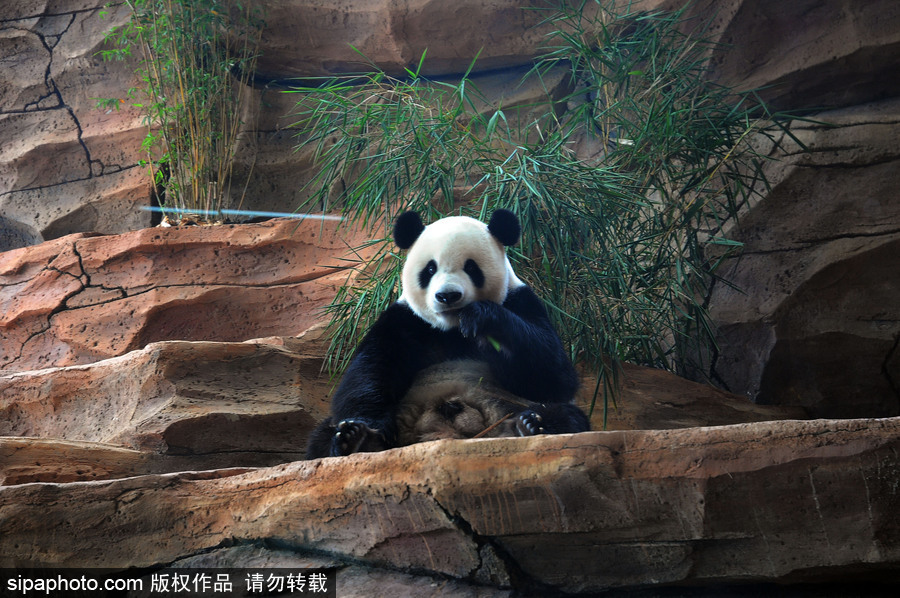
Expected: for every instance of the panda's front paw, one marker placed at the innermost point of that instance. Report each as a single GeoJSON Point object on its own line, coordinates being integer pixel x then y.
{"type": "Point", "coordinates": [477, 318]}
{"type": "Point", "coordinates": [353, 436]}
{"type": "Point", "coordinates": [529, 423]}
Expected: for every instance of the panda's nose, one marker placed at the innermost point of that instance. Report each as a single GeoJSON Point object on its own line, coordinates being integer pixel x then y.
{"type": "Point", "coordinates": [448, 297]}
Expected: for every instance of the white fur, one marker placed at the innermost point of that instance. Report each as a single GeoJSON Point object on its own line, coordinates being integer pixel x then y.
{"type": "Point", "coordinates": [450, 242]}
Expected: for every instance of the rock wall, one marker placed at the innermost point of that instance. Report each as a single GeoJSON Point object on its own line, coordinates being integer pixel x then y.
{"type": "Point", "coordinates": [65, 165]}
{"type": "Point", "coordinates": [815, 320]}
{"type": "Point", "coordinates": [814, 323]}
{"type": "Point", "coordinates": [82, 298]}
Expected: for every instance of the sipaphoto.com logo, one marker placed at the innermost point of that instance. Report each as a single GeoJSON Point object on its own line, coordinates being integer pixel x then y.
{"type": "Point", "coordinates": [68, 584]}
{"type": "Point", "coordinates": [169, 582]}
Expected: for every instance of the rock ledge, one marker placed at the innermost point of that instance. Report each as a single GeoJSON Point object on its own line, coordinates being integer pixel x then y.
{"type": "Point", "coordinates": [759, 502]}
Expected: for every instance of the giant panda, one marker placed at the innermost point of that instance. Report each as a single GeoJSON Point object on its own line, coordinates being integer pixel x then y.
{"type": "Point", "coordinates": [463, 316]}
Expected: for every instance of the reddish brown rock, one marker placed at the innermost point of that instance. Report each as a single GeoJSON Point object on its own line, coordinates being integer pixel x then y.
{"type": "Point", "coordinates": [67, 166]}
{"type": "Point", "coordinates": [79, 164]}
{"type": "Point", "coordinates": [221, 404]}
{"type": "Point", "coordinates": [29, 460]}
{"type": "Point", "coordinates": [652, 399]}
{"type": "Point", "coordinates": [762, 502]}
{"type": "Point", "coordinates": [807, 54]}
{"type": "Point", "coordinates": [815, 325]}
{"type": "Point", "coordinates": [346, 37]}
{"type": "Point", "coordinates": [81, 299]}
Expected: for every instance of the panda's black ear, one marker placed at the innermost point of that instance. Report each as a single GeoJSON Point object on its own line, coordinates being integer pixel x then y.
{"type": "Point", "coordinates": [407, 229]}
{"type": "Point", "coordinates": [504, 225]}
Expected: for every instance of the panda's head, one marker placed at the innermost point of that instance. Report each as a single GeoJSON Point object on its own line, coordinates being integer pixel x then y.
{"type": "Point", "coordinates": [453, 262]}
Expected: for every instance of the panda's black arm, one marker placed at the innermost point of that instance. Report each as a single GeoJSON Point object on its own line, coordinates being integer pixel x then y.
{"type": "Point", "coordinates": [382, 370]}
{"type": "Point", "coordinates": [531, 361]}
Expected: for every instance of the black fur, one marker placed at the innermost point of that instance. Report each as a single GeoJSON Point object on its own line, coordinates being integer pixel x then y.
{"type": "Point", "coordinates": [504, 225]}
{"type": "Point", "coordinates": [472, 268]}
{"type": "Point", "coordinates": [530, 362]}
{"type": "Point", "coordinates": [407, 229]}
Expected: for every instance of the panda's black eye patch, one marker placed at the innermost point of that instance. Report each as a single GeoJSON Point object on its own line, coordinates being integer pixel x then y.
{"type": "Point", "coordinates": [474, 272]}
{"type": "Point", "coordinates": [426, 273]}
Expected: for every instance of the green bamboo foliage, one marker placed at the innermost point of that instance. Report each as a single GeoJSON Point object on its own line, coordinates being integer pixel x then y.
{"type": "Point", "coordinates": [617, 242]}
{"type": "Point", "coordinates": [196, 60]}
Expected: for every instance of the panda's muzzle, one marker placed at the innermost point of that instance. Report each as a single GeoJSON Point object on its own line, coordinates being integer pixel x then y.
{"type": "Point", "coordinates": [448, 298]}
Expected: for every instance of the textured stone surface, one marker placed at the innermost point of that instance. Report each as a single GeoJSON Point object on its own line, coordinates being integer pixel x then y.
{"type": "Point", "coordinates": [771, 501]}
{"type": "Point", "coordinates": [103, 482]}
{"type": "Point", "coordinates": [222, 404]}
{"type": "Point", "coordinates": [210, 405]}
{"type": "Point", "coordinates": [65, 165]}
{"type": "Point", "coordinates": [14, 234]}
{"type": "Point", "coordinates": [338, 37]}
{"type": "Point", "coordinates": [807, 54]}
{"type": "Point", "coordinates": [79, 163]}
{"type": "Point", "coordinates": [816, 319]}
{"type": "Point", "coordinates": [81, 298]}
{"type": "Point", "coordinates": [652, 399]}
{"type": "Point", "coordinates": [28, 460]}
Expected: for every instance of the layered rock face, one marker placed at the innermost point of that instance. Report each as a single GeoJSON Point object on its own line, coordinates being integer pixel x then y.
{"type": "Point", "coordinates": [82, 298]}
{"type": "Point", "coordinates": [813, 324]}
{"type": "Point", "coordinates": [174, 406]}
{"type": "Point", "coordinates": [815, 321]}
{"type": "Point", "coordinates": [65, 165]}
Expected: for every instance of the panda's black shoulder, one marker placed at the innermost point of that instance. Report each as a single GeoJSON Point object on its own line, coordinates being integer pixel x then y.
{"type": "Point", "coordinates": [399, 319]}
{"type": "Point", "coordinates": [398, 324]}
{"type": "Point", "coordinates": [524, 302]}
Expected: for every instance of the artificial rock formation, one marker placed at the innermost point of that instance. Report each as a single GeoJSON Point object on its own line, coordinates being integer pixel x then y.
{"type": "Point", "coordinates": [132, 441]}
{"type": "Point", "coordinates": [81, 298]}
{"type": "Point", "coordinates": [205, 404]}
{"type": "Point", "coordinates": [343, 37]}
{"type": "Point", "coordinates": [777, 501]}
{"type": "Point", "coordinates": [78, 164]}
{"type": "Point", "coordinates": [180, 405]}
{"type": "Point", "coordinates": [68, 167]}
{"type": "Point", "coordinates": [814, 320]}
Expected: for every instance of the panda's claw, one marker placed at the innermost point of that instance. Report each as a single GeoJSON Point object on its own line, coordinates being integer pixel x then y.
{"type": "Point", "coordinates": [349, 437]}
{"type": "Point", "coordinates": [529, 423]}
{"type": "Point", "coordinates": [475, 318]}
{"type": "Point", "coordinates": [468, 324]}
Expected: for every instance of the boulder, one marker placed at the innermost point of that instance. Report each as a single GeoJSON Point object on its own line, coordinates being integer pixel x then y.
{"type": "Point", "coordinates": [814, 320]}
{"type": "Point", "coordinates": [83, 298]}
{"type": "Point", "coordinates": [652, 399]}
{"type": "Point", "coordinates": [761, 502]}
{"type": "Point", "coordinates": [351, 36]}
{"type": "Point", "coordinates": [220, 404]}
